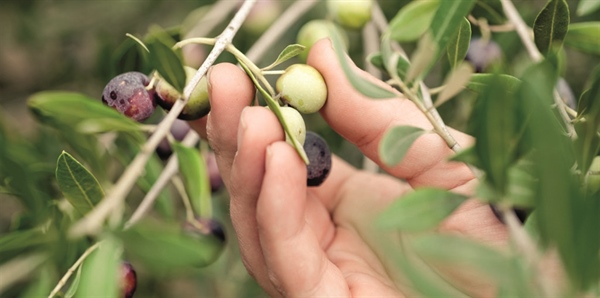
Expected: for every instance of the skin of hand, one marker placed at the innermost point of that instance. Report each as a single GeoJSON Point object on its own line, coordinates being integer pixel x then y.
{"type": "Point", "coordinates": [299, 241]}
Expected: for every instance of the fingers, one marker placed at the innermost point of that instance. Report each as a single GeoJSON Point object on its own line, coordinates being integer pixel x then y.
{"type": "Point", "coordinates": [293, 255]}
{"type": "Point", "coordinates": [364, 121]}
{"type": "Point", "coordinates": [230, 90]}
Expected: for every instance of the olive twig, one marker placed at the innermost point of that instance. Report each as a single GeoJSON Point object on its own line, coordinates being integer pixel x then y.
{"type": "Point", "coordinates": [92, 222]}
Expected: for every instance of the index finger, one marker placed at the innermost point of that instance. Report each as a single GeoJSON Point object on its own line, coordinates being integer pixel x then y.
{"type": "Point", "coordinates": [364, 122]}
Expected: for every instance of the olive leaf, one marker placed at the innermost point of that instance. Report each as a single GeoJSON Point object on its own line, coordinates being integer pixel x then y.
{"type": "Point", "coordinates": [193, 169]}
{"type": "Point", "coordinates": [451, 250]}
{"type": "Point", "coordinates": [396, 142]}
{"type": "Point", "coordinates": [481, 81]}
{"type": "Point", "coordinates": [164, 59]}
{"type": "Point", "coordinates": [402, 64]}
{"type": "Point", "coordinates": [360, 84]}
{"type": "Point", "coordinates": [447, 20]}
{"type": "Point", "coordinates": [455, 82]}
{"type": "Point", "coordinates": [100, 272]}
{"type": "Point", "coordinates": [77, 184]}
{"type": "Point", "coordinates": [74, 284]}
{"type": "Point", "coordinates": [459, 45]}
{"type": "Point", "coordinates": [171, 248]}
{"type": "Point", "coordinates": [551, 25]}
{"type": "Point", "coordinates": [289, 52]}
{"type": "Point", "coordinates": [412, 20]}
{"type": "Point", "coordinates": [584, 37]}
{"type": "Point", "coordinates": [138, 41]}
{"type": "Point", "coordinates": [420, 210]}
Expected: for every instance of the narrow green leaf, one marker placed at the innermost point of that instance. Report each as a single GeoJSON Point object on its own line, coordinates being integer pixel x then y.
{"type": "Point", "coordinates": [456, 82]}
{"type": "Point", "coordinates": [551, 25]}
{"type": "Point", "coordinates": [412, 20]}
{"type": "Point", "coordinates": [167, 63]}
{"type": "Point", "coordinates": [421, 210]}
{"type": "Point", "coordinates": [401, 67]}
{"type": "Point", "coordinates": [588, 140]}
{"type": "Point", "coordinates": [448, 19]}
{"type": "Point", "coordinates": [584, 37]}
{"type": "Point", "coordinates": [360, 84]}
{"type": "Point", "coordinates": [467, 155]}
{"type": "Point", "coordinates": [74, 284]}
{"type": "Point", "coordinates": [566, 218]}
{"type": "Point", "coordinates": [77, 184]}
{"type": "Point", "coordinates": [72, 109]}
{"type": "Point", "coordinates": [586, 7]}
{"type": "Point", "coordinates": [289, 52]}
{"type": "Point", "coordinates": [458, 46]}
{"type": "Point", "coordinates": [396, 142]}
{"type": "Point", "coordinates": [491, 10]}
{"type": "Point", "coordinates": [138, 41]}
{"type": "Point", "coordinates": [100, 272]}
{"type": "Point", "coordinates": [457, 250]}
{"type": "Point", "coordinates": [480, 82]}
{"type": "Point", "coordinates": [497, 124]}
{"type": "Point", "coordinates": [193, 168]}
{"type": "Point", "coordinates": [423, 58]}
{"type": "Point", "coordinates": [171, 248]}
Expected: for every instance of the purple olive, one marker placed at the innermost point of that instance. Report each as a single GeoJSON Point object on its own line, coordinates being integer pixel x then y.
{"type": "Point", "coordinates": [179, 130]}
{"type": "Point", "coordinates": [127, 94]}
{"type": "Point", "coordinates": [319, 157]}
{"type": "Point", "coordinates": [128, 279]}
{"type": "Point", "coordinates": [483, 53]}
{"type": "Point", "coordinates": [202, 227]}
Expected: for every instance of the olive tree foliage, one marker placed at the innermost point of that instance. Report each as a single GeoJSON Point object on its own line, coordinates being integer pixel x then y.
{"type": "Point", "coordinates": [93, 192]}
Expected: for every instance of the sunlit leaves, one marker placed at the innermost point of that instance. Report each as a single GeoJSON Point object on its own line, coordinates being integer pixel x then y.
{"type": "Point", "coordinates": [448, 19]}
{"type": "Point", "coordinates": [421, 210]}
{"type": "Point", "coordinates": [396, 142]}
{"type": "Point", "coordinates": [551, 25]}
{"type": "Point", "coordinates": [78, 185]}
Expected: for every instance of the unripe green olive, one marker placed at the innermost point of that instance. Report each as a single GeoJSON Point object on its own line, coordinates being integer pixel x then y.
{"type": "Point", "coordinates": [314, 30]}
{"type": "Point", "coordinates": [302, 87]}
{"type": "Point", "coordinates": [197, 107]}
{"type": "Point", "coordinates": [351, 14]}
{"type": "Point", "coordinates": [295, 123]}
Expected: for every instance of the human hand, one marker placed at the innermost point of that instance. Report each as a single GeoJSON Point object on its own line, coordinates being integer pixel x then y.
{"type": "Point", "coordinates": [299, 241]}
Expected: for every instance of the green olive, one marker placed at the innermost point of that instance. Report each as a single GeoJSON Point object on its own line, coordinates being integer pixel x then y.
{"type": "Point", "coordinates": [295, 123]}
{"type": "Point", "coordinates": [302, 87]}
{"type": "Point", "coordinates": [351, 14]}
{"type": "Point", "coordinates": [197, 107]}
{"type": "Point", "coordinates": [314, 30]}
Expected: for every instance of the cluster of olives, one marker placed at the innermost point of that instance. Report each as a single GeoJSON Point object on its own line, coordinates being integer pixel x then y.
{"type": "Point", "coordinates": [130, 93]}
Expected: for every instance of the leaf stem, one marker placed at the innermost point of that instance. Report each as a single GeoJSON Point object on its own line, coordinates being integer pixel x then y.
{"type": "Point", "coordinates": [92, 222]}
{"type": "Point", "coordinates": [272, 72]}
{"type": "Point", "coordinates": [72, 269]}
